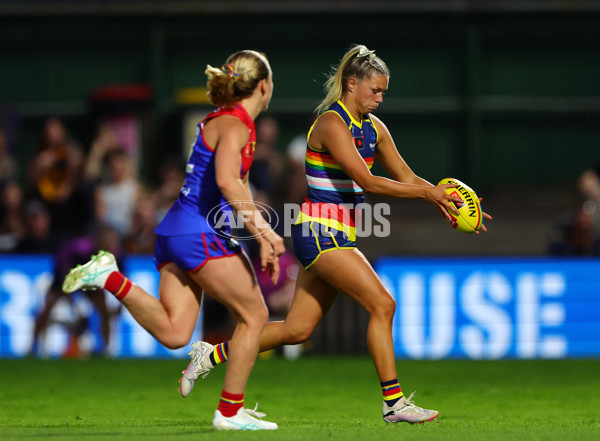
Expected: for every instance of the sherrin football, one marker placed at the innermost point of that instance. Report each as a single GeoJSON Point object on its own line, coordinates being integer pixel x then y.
{"type": "Point", "coordinates": [470, 217]}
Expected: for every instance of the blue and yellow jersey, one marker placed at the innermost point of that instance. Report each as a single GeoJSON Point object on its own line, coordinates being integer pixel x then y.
{"type": "Point", "coordinates": [200, 194]}
{"type": "Point", "coordinates": [328, 185]}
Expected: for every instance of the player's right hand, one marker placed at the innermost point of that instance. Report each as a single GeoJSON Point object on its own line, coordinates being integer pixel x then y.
{"type": "Point", "coordinates": [271, 247]}
{"type": "Point", "coordinates": [276, 242]}
{"type": "Point", "coordinates": [442, 200]}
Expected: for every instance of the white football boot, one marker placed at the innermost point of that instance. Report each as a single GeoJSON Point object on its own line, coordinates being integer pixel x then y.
{"type": "Point", "coordinates": [92, 275]}
{"type": "Point", "coordinates": [199, 366]}
{"type": "Point", "coordinates": [245, 419]}
{"type": "Point", "coordinates": [405, 411]}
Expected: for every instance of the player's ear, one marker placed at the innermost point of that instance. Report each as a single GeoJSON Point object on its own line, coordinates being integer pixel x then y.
{"type": "Point", "coordinates": [263, 86]}
{"type": "Point", "coordinates": [352, 83]}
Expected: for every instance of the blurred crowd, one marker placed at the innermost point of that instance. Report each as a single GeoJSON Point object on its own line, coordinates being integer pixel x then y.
{"type": "Point", "coordinates": [69, 200]}
{"type": "Point", "coordinates": [69, 193]}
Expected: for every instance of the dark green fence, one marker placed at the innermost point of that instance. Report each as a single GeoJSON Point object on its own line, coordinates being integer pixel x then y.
{"type": "Point", "coordinates": [486, 97]}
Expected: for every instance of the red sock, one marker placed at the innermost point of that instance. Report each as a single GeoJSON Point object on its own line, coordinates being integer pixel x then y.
{"type": "Point", "coordinates": [230, 403]}
{"type": "Point", "coordinates": [118, 284]}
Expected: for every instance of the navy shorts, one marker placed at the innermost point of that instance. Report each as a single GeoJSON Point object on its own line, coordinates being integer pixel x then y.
{"type": "Point", "coordinates": [191, 251]}
{"type": "Point", "coordinates": [312, 239]}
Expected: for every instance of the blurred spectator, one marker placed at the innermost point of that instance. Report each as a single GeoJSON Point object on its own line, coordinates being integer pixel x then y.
{"type": "Point", "coordinates": [268, 162]}
{"type": "Point", "coordinates": [8, 165]}
{"type": "Point", "coordinates": [578, 234]}
{"type": "Point", "coordinates": [104, 142]}
{"type": "Point", "coordinates": [295, 171]}
{"type": "Point", "coordinates": [117, 194]}
{"type": "Point", "coordinates": [172, 174]}
{"type": "Point", "coordinates": [276, 178]}
{"type": "Point", "coordinates": [142, 236]}
{"type": "Point", "coordinates": [71, 253]}
{"type": "Point", "coordinates": [56, 168]}
{"type": "Point", "coordinates": [56, 173]}
{"type": "Point", "coordinates": [280, 176]}
{"type": "Point", "coordinates": [589, 184]}
{"type": "Point", "coordinates": [12, 227]}
{"type": "Point", "coordinates": [65, 183]}
{"type": "Point", "coordinates": [279, 297]}
{"type": "Point", "coordinates": [38, 238]}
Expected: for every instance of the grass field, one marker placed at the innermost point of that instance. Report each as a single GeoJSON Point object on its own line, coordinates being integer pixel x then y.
{"type": "Point", "coordinates": [314, 398]}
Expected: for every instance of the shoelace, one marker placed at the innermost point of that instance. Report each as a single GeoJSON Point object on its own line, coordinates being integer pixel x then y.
{"type": "Point", "coordinates": [255, 413]}
{"type": "Point", "coordinates": [412, 403]}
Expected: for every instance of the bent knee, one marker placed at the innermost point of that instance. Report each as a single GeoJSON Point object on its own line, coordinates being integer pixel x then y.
{"type": "Point", "coordinates": [174, 341]}
{"type": "Point", "coordinates": [385, 305]}
{"type": "Point", "coordinates": [298, 334]}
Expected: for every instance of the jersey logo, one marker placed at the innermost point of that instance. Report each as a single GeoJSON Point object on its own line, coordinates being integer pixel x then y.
{"type": "Point", "coordinates": [248, 150]}
{"type": "Point", "coordinates": [358, 142]}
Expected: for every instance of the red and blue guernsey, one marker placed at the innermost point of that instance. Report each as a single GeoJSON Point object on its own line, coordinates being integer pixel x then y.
{"type": "Point", "coordinates": [328, 185]}
{"type": "Point", "coordinates": [200, 196]}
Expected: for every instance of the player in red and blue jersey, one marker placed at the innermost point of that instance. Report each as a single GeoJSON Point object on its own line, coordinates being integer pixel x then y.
{"type": "Point", "coordinates": [201, 204]}
{"type": "Point", "coordinates": [342, 144]}
{"type": "Point", "coordinates": [194, 251]}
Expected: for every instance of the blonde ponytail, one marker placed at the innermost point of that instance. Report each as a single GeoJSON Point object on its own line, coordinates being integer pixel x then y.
{"type": "Point", "coordinates": [237, 78]}
{"type": "Point", "coordinates": [358, 62]}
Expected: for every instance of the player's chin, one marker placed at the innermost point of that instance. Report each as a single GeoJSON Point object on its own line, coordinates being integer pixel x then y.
{"type": "Point", "coordinates": [368, 109]}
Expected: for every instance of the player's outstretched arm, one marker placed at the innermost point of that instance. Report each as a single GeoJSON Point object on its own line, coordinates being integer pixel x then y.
{"type": "Point", "coordinates": [331, 133]}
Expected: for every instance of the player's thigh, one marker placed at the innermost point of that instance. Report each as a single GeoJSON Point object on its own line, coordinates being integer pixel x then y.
{"type": "Point", "coordinates": [180, 296]}
{"type": "Point", "coordinates": [351, 273]}
{"type": "Point", "coordinates": [232, 282]}
{"type": "Point", "coordinates": [313, 297]}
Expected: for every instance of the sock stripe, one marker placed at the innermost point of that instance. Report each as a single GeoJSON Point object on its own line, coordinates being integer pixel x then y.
{"type": "Point", "coordinates": [219, 354]}
{"type": "Point", "coordinates": [230, 403]}
{"type": "Point", "coordinates": [118, 284]}
{"type": "Point", "coordinates": [391, 391]}
{"type": "Point", "coordinates": [124, 289]}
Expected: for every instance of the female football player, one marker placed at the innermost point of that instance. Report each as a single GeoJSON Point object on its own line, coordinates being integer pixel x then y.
{"type": "Point", "coordinates": [342, 144]}
{"type": "Point", "coordinates": [195, 253]}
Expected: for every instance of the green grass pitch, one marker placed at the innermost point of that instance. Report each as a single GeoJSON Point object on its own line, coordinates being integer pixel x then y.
{"type": "Point", "coordinates": [314, 398]}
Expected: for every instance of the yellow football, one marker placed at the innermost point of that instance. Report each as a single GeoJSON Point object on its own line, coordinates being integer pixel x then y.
{"type": "Point", "coordinates": [470, 216]}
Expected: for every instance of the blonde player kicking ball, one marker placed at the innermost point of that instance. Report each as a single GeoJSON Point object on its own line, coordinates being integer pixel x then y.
{"type": "Point", "coordinates": [191, 257]}
{"type": "Point", "coordinates": [342, 144]}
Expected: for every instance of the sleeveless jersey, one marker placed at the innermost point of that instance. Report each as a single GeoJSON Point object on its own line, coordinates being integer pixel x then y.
{"type": "Point", "coordinates": [200, 193]}
{"type": "Point", "coordinates": [328, 185]}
